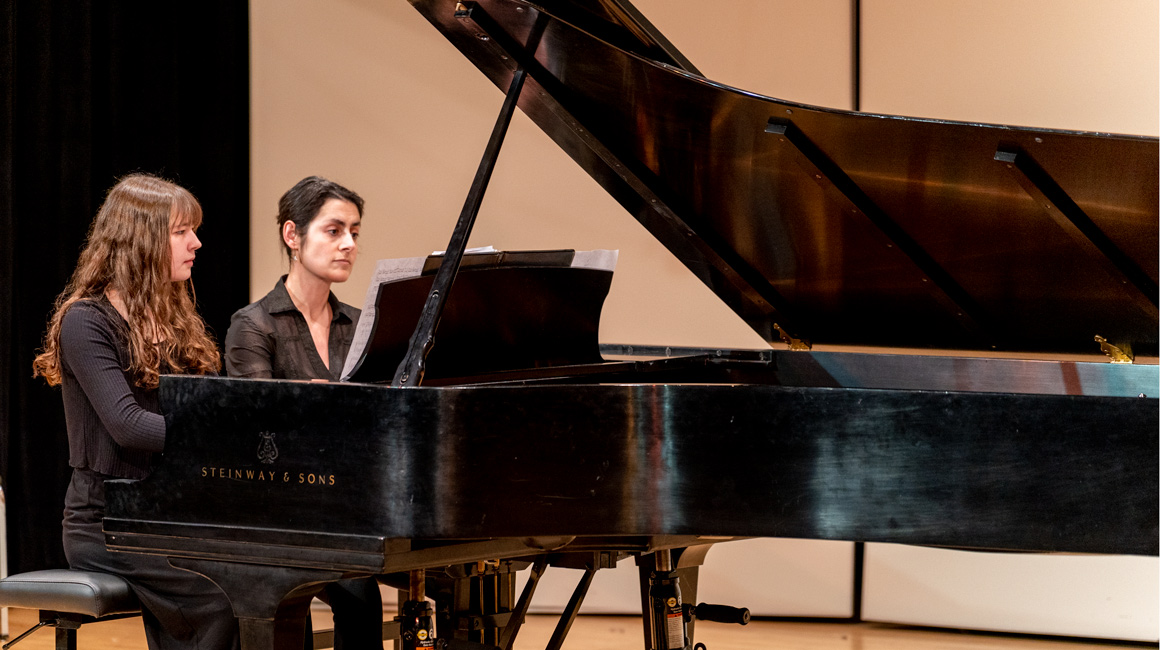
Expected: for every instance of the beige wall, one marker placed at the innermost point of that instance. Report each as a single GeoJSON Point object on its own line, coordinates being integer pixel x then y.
{"type": "Point", "coordinates": [1091, 65]}
{"type": "Point", "coordinates": [367, 93]}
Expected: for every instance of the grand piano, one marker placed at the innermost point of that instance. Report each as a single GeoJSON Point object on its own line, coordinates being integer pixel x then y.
{"type": "Point", "coordinates": [1007, 250]}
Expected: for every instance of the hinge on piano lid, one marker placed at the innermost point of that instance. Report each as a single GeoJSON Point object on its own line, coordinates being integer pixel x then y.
{"type": "Point", "coordinates": [1121, 353]}
{"type": "Point", "coordinates": [794, 344]}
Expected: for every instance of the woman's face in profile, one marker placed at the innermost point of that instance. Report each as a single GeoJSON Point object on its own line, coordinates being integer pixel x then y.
{"type": "Point", "coordinates": [330, 246]}
{"type": "Point", "coordinates": [183, 245]}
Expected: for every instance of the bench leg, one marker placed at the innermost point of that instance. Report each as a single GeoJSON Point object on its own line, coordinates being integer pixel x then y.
{"type": "Point", "coordinates": [66, 638]}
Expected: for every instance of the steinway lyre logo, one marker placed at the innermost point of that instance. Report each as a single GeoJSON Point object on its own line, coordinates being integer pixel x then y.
{"type": "Point", "coordinates": [267, 450]}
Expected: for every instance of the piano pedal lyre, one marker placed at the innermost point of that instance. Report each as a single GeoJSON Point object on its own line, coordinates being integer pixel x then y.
{"type": "Point", "coordinates": [671, 617]}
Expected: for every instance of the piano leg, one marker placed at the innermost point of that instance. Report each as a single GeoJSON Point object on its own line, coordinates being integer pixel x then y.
{"type": "Point", "coordinates": [685, 563]}
{"type": "Point", "coordinates": [416, 619]}
{"type": "Point", "coordinates": [674, 574]}
{"type": "Point", "coordinates": [270, 603]}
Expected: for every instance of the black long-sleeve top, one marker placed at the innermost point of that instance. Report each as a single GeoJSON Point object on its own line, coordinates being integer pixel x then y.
{"type": "Point", "coordinates": [114, 426]}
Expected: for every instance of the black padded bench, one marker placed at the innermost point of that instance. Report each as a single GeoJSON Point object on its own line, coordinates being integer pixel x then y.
{"type": "Point", "coordinates": [68, 599]}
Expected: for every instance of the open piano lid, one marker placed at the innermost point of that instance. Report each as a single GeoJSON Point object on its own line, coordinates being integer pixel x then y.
{"type": "Point", "coordinates": [837, 227]}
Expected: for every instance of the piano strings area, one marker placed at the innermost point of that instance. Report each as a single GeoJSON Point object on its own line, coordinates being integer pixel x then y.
{"type": "Point", "coordinates": [620, 632]}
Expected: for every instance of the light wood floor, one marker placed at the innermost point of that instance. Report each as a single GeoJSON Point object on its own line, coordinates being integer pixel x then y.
{"type": "Point", "coordinates": [624, 633]}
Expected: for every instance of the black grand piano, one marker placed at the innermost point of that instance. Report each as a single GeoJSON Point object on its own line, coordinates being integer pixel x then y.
{"type": "Point", "coordinates": [815, 226]}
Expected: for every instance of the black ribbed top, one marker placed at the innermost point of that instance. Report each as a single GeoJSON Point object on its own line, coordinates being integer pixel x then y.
{"type": "Point", "coordinates": [114, 426]}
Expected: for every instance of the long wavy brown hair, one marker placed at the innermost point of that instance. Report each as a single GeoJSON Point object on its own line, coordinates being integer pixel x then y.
{"type": "Point", "coordinates": [128, 251]}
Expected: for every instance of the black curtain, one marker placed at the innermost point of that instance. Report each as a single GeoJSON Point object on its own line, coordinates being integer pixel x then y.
{"type": "Point", "coordinates": [92, 90]}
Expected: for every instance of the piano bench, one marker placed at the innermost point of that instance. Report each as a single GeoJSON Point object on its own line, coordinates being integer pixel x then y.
{"type": "Point", "coordinates": [68, 599]}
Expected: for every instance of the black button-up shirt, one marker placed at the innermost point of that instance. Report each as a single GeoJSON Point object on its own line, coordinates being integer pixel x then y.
{"type": "Point", "coordinates": [270, 339]}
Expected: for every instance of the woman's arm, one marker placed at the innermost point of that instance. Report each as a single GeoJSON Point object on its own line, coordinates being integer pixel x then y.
{"type": "Point", "coordinates": [249, 349]}
{"type": "Point", "coordinates": [89, 349]}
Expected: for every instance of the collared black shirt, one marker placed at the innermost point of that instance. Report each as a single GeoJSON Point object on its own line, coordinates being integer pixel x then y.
{"type": "Point", "coordinates": [270, 339]}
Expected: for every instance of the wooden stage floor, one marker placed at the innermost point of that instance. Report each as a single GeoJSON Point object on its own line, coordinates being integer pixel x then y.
{"type": "Point", "coordinates": [624, 633]}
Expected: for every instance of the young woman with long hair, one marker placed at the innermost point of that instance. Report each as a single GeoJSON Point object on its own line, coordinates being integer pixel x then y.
{"type": "Point", "coordinates": [126, 317]}
{"type": "Point", "coordinates": [301, 331]}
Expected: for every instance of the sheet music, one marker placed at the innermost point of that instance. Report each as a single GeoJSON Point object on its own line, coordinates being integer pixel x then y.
{"type": "Point", "coordinates": [385, 271]}
{"type": "Point", "coordinates": [599, 259]}
{"type": "Point", "coordinates": [469, 251]}
{"type": "Point", "coordinates": [392, 270]}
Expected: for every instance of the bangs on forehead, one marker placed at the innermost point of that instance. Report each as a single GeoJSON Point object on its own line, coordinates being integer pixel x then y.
{"type": "Point", "coordinates": [185, 211]}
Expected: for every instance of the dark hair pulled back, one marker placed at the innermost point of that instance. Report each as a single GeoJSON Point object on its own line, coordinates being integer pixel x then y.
{"type": "Point", "coordinates": [302, 203]}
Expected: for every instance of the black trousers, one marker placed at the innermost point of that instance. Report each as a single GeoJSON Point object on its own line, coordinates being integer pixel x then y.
{"type": "Point", "coordinates": [357, 606]}
{"type": "Point", "coordinates": [180, 609]}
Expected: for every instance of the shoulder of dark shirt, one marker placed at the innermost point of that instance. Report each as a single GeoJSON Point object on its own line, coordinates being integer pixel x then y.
{"type": "Point", "coordinates": [246, 323]}
{"type": "Point", "coordinates": [88, 322]}
{"type": "Point", "coordinates": [257, 312]}
{"type": "Point", "coordinates": [352, 313]}
{"type": "Point", "coordinates": [93, 309]}
{"type": "Point", "coordinates": [253, 311]}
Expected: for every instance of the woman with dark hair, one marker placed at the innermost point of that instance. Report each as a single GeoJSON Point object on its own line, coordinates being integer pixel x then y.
{"type": "Point", "coordinates": [125, 318]}
{"type": "Point", "coordinates": [301, 331]}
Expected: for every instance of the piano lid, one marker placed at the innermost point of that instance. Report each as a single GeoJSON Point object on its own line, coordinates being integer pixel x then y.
{"type": "Point", "coordinates": [838, 227]}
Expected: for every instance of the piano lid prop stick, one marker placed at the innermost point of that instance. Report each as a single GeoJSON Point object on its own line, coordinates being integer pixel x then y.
{"type": "Point", "coordinates": [411, 369]}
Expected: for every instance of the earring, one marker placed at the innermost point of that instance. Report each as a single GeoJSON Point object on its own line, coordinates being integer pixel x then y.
{"type": "Point", "coordinates": [295, 258]}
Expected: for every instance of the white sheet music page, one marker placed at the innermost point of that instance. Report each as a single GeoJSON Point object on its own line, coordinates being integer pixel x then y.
{"type": "Point", "coordinates": [599, 259]}
{"type": "Point", "coordinates": [385, 271]}
{"type": "Point", "coordinates": [393, 270]}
